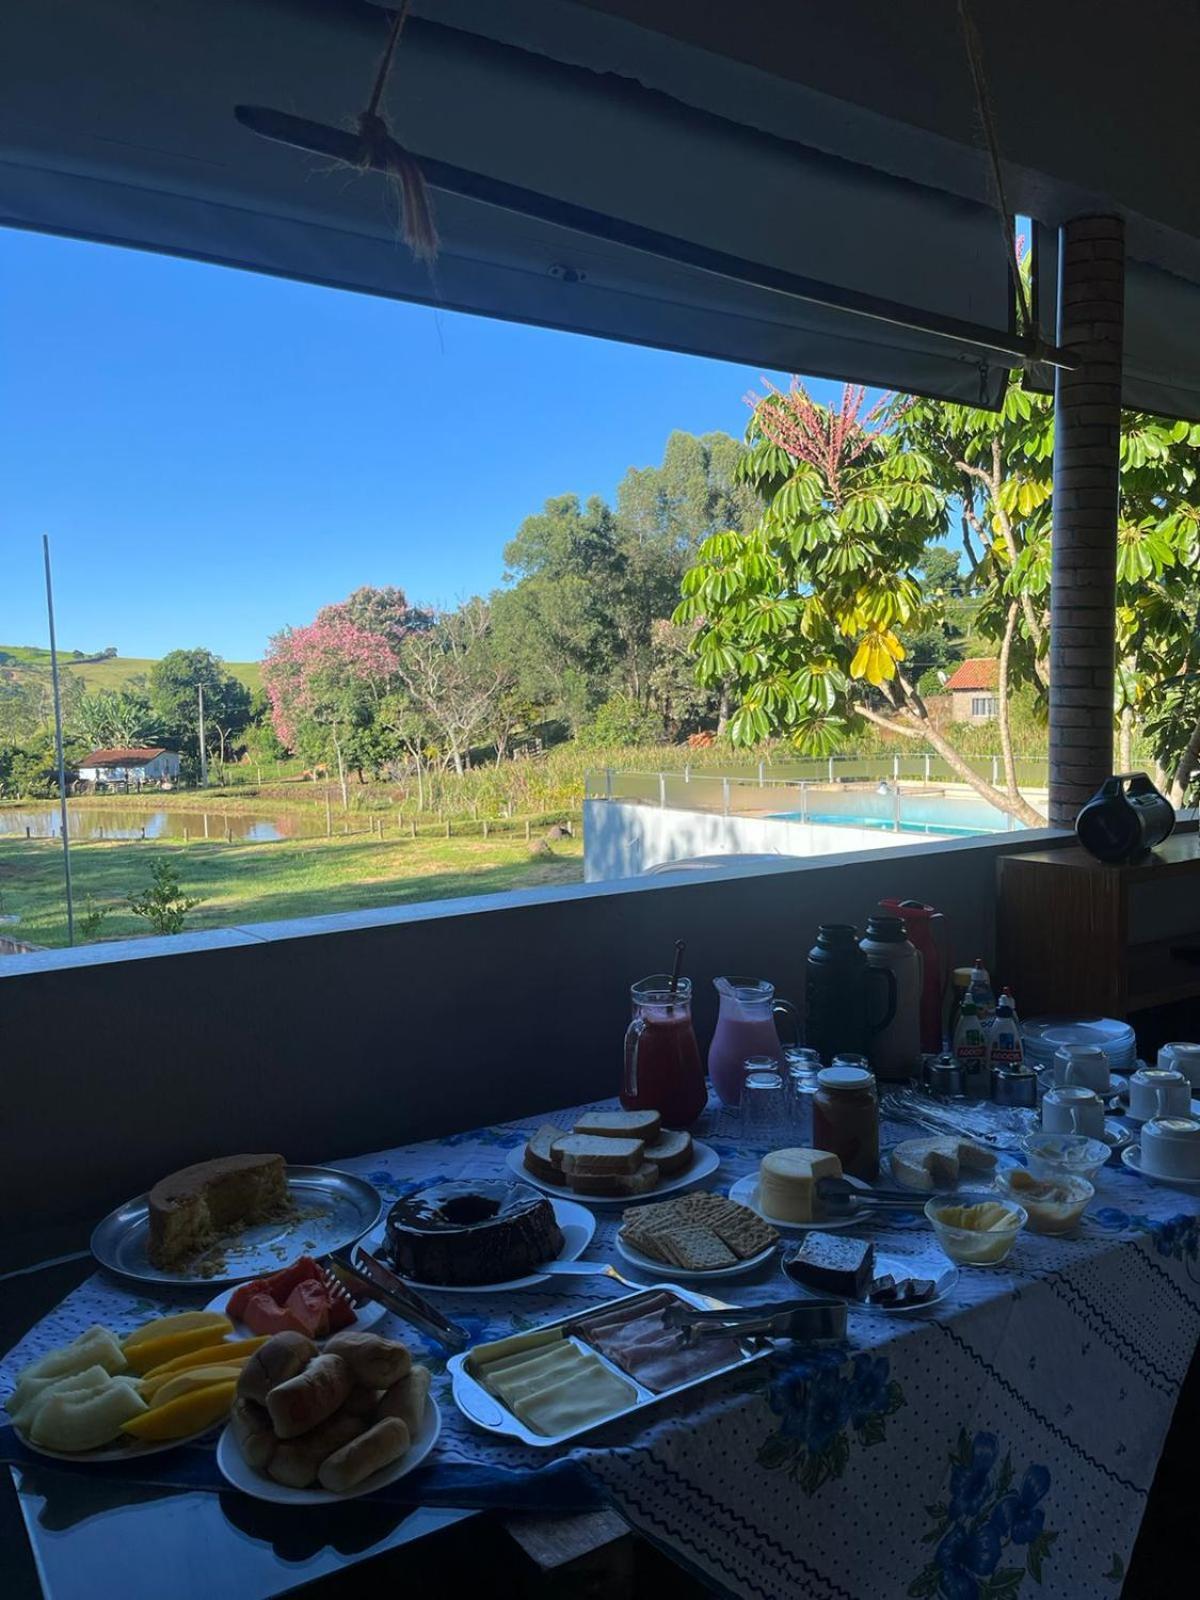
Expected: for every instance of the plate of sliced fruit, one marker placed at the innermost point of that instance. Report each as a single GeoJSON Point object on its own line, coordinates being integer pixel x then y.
{"type": "Point", "coordinates": [105, 1398]}
{"type": "Point", "coordinates": [301, 1298]}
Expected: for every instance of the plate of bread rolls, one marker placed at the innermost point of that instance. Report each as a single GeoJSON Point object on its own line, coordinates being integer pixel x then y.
{"type": "Point", "coordinates": [310, 1426]}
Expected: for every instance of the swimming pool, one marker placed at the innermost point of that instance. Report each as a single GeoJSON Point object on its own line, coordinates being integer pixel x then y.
{"type": "Point", "coordinates": [951, 816]}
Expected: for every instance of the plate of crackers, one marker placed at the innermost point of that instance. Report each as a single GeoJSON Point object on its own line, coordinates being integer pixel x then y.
{"type": "Point", "coordinates": [696, 1236]}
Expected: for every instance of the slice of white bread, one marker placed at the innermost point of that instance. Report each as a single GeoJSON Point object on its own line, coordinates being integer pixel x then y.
{"type": "Point", "coordinates": [621, 1124]}
{"type": "Point", "coordinates": [616, 1184]}
{"type": "Point", "coordinates": [671, 1153]}
{"type": "Point", "coordinates": [587, 1152]}
{"type": "Point", "coordinates": [537, 1158]}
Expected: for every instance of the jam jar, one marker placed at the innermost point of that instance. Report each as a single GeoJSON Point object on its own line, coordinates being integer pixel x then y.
{"type": "Point", "coordinates": [845, 1113]}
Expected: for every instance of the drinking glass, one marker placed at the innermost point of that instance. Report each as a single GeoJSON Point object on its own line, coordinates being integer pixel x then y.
{"type": "Point", "coordinates": [803, 1065]}
{"type": "Point", "coordinates": [764, 1106]}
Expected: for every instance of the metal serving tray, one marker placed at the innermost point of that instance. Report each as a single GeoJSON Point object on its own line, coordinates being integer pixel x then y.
{"type": "Point", "coordinates": [333, 1209]}
{"type": "Point", "coordinates": [481, 1407]}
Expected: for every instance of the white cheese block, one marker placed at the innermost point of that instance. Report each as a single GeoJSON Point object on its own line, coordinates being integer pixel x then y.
{"type": "Point", "coordinates": [787, 1182]}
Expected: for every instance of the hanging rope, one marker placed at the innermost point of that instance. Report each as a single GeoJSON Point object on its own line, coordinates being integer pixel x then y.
{"type": "Point", "coordinates": [382, 152]}
{"type": "Point", "coordinates": [983, 106]}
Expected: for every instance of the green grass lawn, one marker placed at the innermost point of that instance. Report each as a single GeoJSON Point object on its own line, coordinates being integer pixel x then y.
{"type": "Point", "coordinates": [242, 883]}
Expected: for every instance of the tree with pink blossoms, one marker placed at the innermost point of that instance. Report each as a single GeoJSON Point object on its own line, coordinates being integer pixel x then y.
{"type": "Point", "coordinates": [323, 683]}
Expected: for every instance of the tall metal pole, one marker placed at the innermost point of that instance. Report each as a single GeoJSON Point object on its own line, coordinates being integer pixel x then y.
{"type": "Point", "coordinates": [203, 749]}
{"type": "Point", "coordinates": [58, 743]}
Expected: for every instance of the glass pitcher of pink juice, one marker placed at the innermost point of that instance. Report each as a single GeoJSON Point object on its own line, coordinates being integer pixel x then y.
{"type": "Point", "coordinates": [745, 1027]}
{"type": "Point", "coordinates": [663, 1070]}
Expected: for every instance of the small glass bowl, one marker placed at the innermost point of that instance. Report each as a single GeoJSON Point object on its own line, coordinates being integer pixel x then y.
{"type": "Point", "coordinates": [1048, 1216]}
{"type": "Point", "coordinates": [1065, 1155]}
{"type": "Point", "coordinates": [966, 1246]}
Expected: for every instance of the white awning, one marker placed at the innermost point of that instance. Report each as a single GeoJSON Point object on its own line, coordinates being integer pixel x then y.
{"type": "Point", "coordinates": [117, 124]}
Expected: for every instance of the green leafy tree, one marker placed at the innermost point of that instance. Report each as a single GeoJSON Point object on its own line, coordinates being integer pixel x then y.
{"type": "Point", "coordinates": [804, 613]}
{"type": "Point", "coordinates": [623, 721]}
{"type": "Point", "coordinates": [114, 718]}
{"type": "Point", "coordinates": [993, 474]}
{"type": "Point", "coordinates": [175, 682]}
{"type": "Point", "coordinates": [163, 905]}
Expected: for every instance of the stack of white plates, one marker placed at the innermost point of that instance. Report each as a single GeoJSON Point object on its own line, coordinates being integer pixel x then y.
{"type": "Point", "coordinates": [1042, 1036]}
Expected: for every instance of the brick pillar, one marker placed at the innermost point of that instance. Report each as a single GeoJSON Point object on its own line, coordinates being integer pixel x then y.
{"type": "Point", "coordinates": [1083, 573]}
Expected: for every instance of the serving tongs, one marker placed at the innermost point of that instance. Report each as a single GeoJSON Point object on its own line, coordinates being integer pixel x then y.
{"type": "Point", "coordinates": [363, 1274]}
{"type": "Point", "coordinates": [837, 1197]}
{"type": "Point", "coordinates": [814, 1320]}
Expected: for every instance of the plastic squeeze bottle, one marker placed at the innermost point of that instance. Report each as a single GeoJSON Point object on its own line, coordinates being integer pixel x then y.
{"type": "Point", "coordinates": [981, 990]}
{"type": "Point", "coordinates": [1004, 1036]}
{"type": "Point", "coordinates": [971, 1051]}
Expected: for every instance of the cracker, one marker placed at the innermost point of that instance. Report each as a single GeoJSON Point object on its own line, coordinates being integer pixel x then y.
{"type": "Point", "coordinates": [649, 1244]}
{"type": "Point", "coordinates": [697, 1249]}
{"type": "Point", "coordinates": [743, 1231]}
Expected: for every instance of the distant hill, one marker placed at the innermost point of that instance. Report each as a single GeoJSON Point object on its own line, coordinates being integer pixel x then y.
{"type": "Point", "coordinates": [109, 673]}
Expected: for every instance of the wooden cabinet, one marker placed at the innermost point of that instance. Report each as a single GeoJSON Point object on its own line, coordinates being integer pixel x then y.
{"type": "Point", "coordinates": [1074, 935]}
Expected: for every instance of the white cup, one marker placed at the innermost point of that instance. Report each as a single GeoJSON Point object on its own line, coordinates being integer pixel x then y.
{"type": "Point", "coordinates": [1154, 1092]}
{"type": "Point", "coordinates": [1182, 1057]}
{"type": "Point", "coordinates": [1085, 1065]}
{"type": "Point", "coordinates": [1073, 1109]}
{"type": "Point", "coordinates": [1171, 1147]}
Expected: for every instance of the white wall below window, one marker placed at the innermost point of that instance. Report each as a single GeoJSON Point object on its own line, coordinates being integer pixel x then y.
{"type": "Point", "coordinates": [623, 841]}
{"type": "Point", "coordinates": [335, 1035]}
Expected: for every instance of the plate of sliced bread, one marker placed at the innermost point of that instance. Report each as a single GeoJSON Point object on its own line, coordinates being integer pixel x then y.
{"type": "Point", "coordinates": [612, 1158]}
{"type": "Point", "coordinates": [696, 1236]}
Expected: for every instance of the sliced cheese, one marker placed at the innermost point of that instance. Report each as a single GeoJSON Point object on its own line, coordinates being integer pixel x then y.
{"type": "Point", "coordinates": [787, 1182]}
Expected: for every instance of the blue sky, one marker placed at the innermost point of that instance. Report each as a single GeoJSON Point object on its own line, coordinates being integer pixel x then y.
{"type": "Point", "coordinates": [215, 454]}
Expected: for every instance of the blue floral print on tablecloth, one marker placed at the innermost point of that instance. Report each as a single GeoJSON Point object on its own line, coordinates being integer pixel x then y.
{"type": "Point", "coordinates": [987, 1518]}
{"type": "Point", "coordinates": [820, 1401]}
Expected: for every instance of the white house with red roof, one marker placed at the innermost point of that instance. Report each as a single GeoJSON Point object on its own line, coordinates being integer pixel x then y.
{"type": "Point", "coordinates": [972, 689]}
{"type": "Point", "coordinates": [131, 767]}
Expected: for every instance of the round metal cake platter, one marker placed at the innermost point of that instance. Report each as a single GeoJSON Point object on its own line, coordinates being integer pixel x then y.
{"type": "Point", "coordinates": [331, 1209]}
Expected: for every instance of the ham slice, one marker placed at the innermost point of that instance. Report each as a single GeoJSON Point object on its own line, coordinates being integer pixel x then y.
{"type": "Point", "coordinates": [637, 1340]}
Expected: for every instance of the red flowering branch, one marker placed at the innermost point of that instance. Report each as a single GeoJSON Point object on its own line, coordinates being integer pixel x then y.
{"type": "Point", "coordinates": [828, 439]}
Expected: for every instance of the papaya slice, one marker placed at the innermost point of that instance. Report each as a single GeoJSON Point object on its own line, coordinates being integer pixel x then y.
{"type": "Point", "coordinates": [168, 1327]}
{"type": "Point", "coordinates": [150, 1353]}
{"type": "Point", "coordinates": [235, 1351]}
{"type": "Point", "coordinates": [158, 1391]}
{"type": "Point", "coordinates": [190, 1413]}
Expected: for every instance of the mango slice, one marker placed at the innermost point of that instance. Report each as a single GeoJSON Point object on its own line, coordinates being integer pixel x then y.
{"type": "Point", "coordinates": [235, 1351]}
{"type": "Point", "coordinates": [150, 1353]}
{"type": "Point", "coordinates": [190, 1413]}
{"type": "Point", "coordinates": [159, 1391]}
{"type": "Point", "coordinates": [185, 1322]}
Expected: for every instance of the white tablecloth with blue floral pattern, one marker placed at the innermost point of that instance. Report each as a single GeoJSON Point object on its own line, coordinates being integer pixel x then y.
{"type": "Point", "coordinates": [1001, 1443]}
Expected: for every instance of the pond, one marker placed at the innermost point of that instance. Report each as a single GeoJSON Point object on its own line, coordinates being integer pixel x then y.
{"type": "Point", "coordinates": [158, 822]}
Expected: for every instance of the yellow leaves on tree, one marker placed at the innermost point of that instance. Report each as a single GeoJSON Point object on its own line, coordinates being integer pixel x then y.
{"type": "Point", "coordinates": [876, 657]}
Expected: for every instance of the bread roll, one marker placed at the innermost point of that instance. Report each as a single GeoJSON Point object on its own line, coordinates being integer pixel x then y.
{"type": "Point", "coordinates": [362, 1401]}
{"type": "Point", "coordinates": [252, 1430]}
{"type": "Point", "coordinates": [373, 1361]}
{"type": "Point", "coordinates": [386, 1442]}
{"type": "Point", "coordinates": [282, 1357]}
{"type": "Point", "coordinates": [297, 1462]}
{"type": "Point", "coordinates": [307, 1399]}
{"type": "Point", "coordinates": [406, 1400]}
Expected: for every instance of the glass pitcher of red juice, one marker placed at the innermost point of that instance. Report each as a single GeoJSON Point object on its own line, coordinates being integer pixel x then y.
{"type": "Point", "coordinates": [663, 1070]}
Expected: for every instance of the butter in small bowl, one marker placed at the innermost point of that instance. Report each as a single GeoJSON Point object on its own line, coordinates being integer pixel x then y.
{"type": "Point", "coordinates": [976, 1230]}
{"type": "Point", "coordinates": [1053, 1204]}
